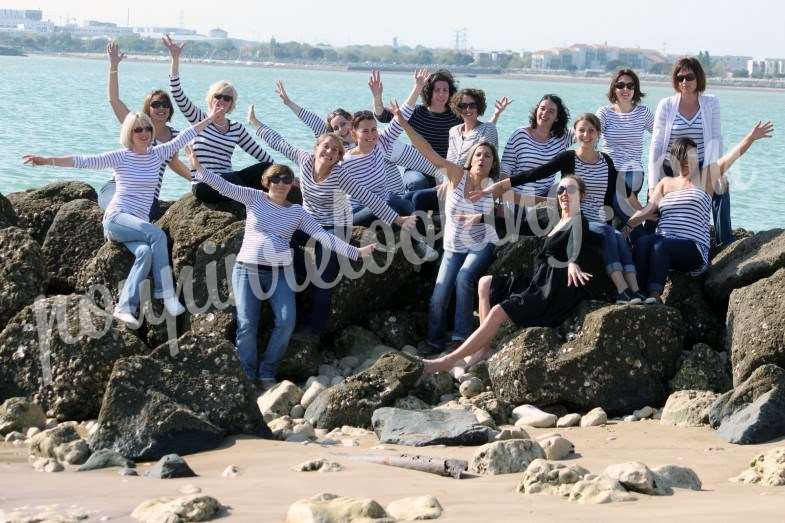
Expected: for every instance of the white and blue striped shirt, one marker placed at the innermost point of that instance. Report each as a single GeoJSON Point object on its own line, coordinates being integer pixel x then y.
{"type": "Point", "coordinates": [684, 214]}
{"type": "Point", "coordinates": [623, 135]}
{"type": "Point", "coordinates": [523, 152]}
{"type": "Point", "coordinates": [214, 146]}
{"type": "Point", "coordinates": [269, 227]}
{"type": "Point", "coordinates": [684, 128]}
{"type": "Point", "coordinates": [463, 237]}
{"type": "Point", "coordinates": [461, 144]}
{"type": "Point", "coordinates": [137, 175]}
{"type": "Point", "coordinates": [595, 175]}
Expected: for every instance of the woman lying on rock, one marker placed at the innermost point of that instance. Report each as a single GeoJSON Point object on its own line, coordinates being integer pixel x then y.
{"type": "Point", "coordinates": [263, 260]}
{"type": "Point", "coordinates": [549, 296]}
{"type": "Point", "coordinates": [126, 219]}
{"type": "Point", "coordinates": [681, 241]}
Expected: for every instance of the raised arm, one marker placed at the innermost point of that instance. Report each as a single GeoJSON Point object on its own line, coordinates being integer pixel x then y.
{"type": "Point", "coordinates": [174, 52]}
{"type": "Point", "coordinates": [499, 107]}
{"type": "Point", "coordinates": [406, 156]}
{"type": "Point", "coordinates": [108, 160]}
{"type": "Point", "coordinates": [115, 57]}
{"type": "Point", "coordinates": [556, 164]}
{"type": "Point", "coordinates": [191, 112]}
{"type": "Point", "coordinates": [393, 131]}
{"type": "Point", "coordinates": [167, 150]}
{"type": "Point", "coordinates": [651, 206]}
{"type": "Point", "coordinates": [377, 90]}
{"type": "Point", "coordinates": [275, 140]}
{"type": "Point", "coordinates": [54, 161]}
{"type": "Point", "coordinates": [281, 92]}
{"type": "Point", "coordinates": [244, 195]}
{"type": "Point", "coordinates": [712, 175]}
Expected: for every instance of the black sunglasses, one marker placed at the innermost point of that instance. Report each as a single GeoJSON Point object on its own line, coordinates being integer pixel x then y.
{"type": "Point", "coordinates": [281, 178]}
{"type": "Point", "coordinates": [684, 77]}
{"type": "Point", "coordinates": [467, 105]}
{"type": "Point", "coordinates": [224, 97]}
{"type": "Point", "coordinates": [161, 103]}
{"type": "Point", "coordinates": [622, 85]}
{"type": "Point", "coordinates": [147, 128]}
{"type": "Point", "coordinates": [569, 189]}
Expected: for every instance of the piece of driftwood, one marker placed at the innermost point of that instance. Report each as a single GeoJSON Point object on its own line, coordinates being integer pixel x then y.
{"type": "Point", "coordinates": [454, 468]}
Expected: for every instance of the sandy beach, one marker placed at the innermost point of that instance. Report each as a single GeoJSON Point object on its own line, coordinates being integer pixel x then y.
{"type": "Point", "coordinates": [267, 485]}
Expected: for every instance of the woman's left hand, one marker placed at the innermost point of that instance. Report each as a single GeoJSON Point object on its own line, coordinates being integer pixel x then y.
{"type": "Point", "coordinates": [252, 119]}
{"type": "Point", "coordinates": [216, 112]}
{"type": "Point", "coordinates": [367, 250]}
{"type": "Point", "coordinates": [761, 130]}
{"type": "Point", "coordinates": [191, 155]}
{"type": "Point", "coordinates": [32, 159]}
{"type": "Point", "coordinates": [495, 190]}
{"type": "Point", "coordinates": [575, 276]}
{"type": "Point", "coordinates": [502, 104]}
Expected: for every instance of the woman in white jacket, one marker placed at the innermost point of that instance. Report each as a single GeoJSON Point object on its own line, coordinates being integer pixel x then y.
{"type": "Point", "coordinates": [691, 114]}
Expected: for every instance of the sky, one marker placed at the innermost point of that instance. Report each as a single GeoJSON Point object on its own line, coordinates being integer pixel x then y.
{"type": "Point", "coordinates": [752, 27]}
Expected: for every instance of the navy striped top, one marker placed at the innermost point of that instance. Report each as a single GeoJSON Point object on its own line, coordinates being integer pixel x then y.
{"type": "Point", "coordinates": [684, 128]}
{"type": "Point", "coordinates": [214, 146]}
{"type": "Point", "coordinates": [269, 227]}
{"type": "Point", "coordinates": [137, 175]}
{"type": "Point", "coordinates": [595, 175]}
{"type": "Point", "coordinates": [434, 127]}
{"type": "Point", "coordinates": [523, 152]}
{"type": "Point", "coordinates": [684, 214]}
{"type": "Point", "coordinates": [623, 135]}
{"type": "Point", "coordinates": [462, 237]}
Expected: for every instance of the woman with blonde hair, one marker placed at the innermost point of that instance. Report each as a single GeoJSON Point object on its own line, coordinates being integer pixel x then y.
{"type": "Point", "coordinates": [215, 146]}
{"type": "Point", "coordinates": [126, 219]}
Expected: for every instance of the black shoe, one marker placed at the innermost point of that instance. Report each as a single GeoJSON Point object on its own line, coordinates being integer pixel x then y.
{"type": "Point", "coordinates": [640, 296]}
{"type": "Point", "coordinates": [627, 297]}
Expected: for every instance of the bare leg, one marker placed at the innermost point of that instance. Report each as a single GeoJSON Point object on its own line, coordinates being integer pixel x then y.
{"type": "Point", "coordinates": [618, 281]}
{"type": "Point", "coordinates": [484, 292]}
{"type": "Point", "coordinates": [476, 342]}
{"type": "Point", "coordinates": [632, 280]}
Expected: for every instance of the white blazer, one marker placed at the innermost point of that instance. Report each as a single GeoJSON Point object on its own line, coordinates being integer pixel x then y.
{"type": "Point", "coordinates": [664, 117]}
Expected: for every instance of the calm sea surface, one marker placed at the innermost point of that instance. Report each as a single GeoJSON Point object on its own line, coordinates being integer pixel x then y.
{"type": "Point", "coordinates": [58, 106]}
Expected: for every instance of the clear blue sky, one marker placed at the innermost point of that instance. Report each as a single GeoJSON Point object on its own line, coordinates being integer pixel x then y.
{"type": "Point", "coordinates": [752, 27]}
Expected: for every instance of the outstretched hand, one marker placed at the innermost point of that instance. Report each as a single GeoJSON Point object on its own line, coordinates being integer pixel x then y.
{"type": "Point", "coordinates": [32, 159]}
{"type": "Point", "coordinates": [174, 48]}
{"type": "Point", "coordinates": [421, 78]}
{"type": "Point", "coordinates": [502, 104]}
{"type": "Point", "coordinates": [115, 56]}
{"type": "Point", "coordinates": [191, 155]}
{"type": "Point", "coordinates": [494, 189]}
{"type": "Point", "coordinates": [761, 130]}
{"type": "Point", "coordinates": [375, 83]}
{"type": "Point", "coordinates": [407, 222]}
{"type": "Point", "coordinates": [367, 250]}
{"type": "Point", "coordinates": [281, 92]}
{"type": "Point", "coordinates": [252, 119]}
{"type": "Point", "coordinates": [575, 276]}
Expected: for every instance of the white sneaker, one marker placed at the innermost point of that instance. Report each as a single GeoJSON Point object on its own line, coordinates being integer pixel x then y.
{"type": "Point", "coordinates": [425, 251]}
{"type": "Point", "coordinates": [173, 306]}
{"type": "Point", "coordinates": [126, 317]}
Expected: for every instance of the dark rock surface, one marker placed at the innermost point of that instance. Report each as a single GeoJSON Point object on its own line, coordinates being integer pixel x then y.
{"type": "Point", "coordinates": [703, 368]}
{"type": "Point", "coordinates": [104, 459]}
{"type": "Point", "coordinates": [419, 428]}
{"type": "Point", "coordinates": [169, 467]}
{"type": "Point", "coordinates": [7, 213]}
{"type": "Point", "coordinates": [23, 274]}
{"type": "Point", "coordinates": [685, 294]}
{"type": "Point", "coordinates": [36, 208]}
{"type": "Point", "coordinates": [397, 328]}
{"type": "Point", "coordinates": [108, 267]}
{"type": "Point", "coordinates": [19, 414]}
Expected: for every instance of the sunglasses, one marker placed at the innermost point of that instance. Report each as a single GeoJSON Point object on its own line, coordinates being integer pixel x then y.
{"type": "Point", "coordinates": [147, 128]}
{"type": "Point", "coordinates": [467, 105]}
{"type": "Point", "coordinates": [225, 97]}
{"type": "Point", "coordinates": [281, 178]}
{"type": "Point", "coordinates": [160, 103]}
{"type": "Point", "coordinates": [569, 189]}
{"type": "Point", "coordinates": [684, 78]}
{"type": "Point", "coordinates": [624, 85]}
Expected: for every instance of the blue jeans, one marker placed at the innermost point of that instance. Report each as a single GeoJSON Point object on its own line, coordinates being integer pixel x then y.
{"type": "Point", "coordinates": [720, 212]}
{"type": "Point", "coordinates": [615, 250]}
{"type": "Point", "coordinates": [655, 255]}
{"type": "Point", "coordinates": [250, 284]}
{"type": "Point", "coordinates": [416, 181]}
{"type": "Point", "coordinates": [460, 270]}
{"type": "Point", "coordinates": [363, 216]}
{"type": "Point", "coordinates": [149, 245]}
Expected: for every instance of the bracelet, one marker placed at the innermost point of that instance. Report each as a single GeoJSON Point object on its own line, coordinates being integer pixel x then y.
{"type": "Point", "coordinates": [112, 71]}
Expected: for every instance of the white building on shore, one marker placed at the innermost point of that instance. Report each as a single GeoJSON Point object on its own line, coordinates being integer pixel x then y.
{"type": "Point", "coordinates": [24, 20]}
{"type": "Point", "coordinates": [595, 57]}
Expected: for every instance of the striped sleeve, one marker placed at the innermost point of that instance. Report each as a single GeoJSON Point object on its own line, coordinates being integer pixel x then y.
{"type": "Point", "coordinates": [244, 195]}
{"type": "Point", "coordinates": [557, 164]}
{"type": "Point", "coordinates": [357, 191]}
{"type": "Point", "coordinates": [313, 121]}
{"type": "Point", "coordinates": [393, 131]}
{"type": "Point", "coordinates": [252, 147]}
{"type": "Point", "coordinates": [411, 159]}
{"type": "Point", "coordinates": [330, 241]}
{"type": "Point", "coordinates": [510, 157]}
{"type": "Point", "coordinates": [166, 150]}
{"type": "Point", "coordinates": [192, 113]}
{"type": "Point", "coordinates": [490, 134]}
{"type": "Point", "coordinates": [649, 125]}
{"type": "Point", "coordinates": [277, 142]}
{"type": "Point", "coordinates": [110, 160]}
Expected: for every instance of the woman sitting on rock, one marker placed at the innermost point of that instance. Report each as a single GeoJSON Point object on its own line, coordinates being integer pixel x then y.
{"type": "Point", "coordinates": [126, 219]}
{"type": "Point", "coordinates": [469, 241]}
{"type": "Point", "coordinates": [684, 202]}
{"type": "Point", "coordinates": [549, 296]}
{"type": "Point", "coordinates": [216, 145]}
{"type": "Point", "coordinates": [264, 259]}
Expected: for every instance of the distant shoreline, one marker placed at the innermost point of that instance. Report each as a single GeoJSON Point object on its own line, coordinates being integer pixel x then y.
{"type": "Point", "coordinates": [716, 84]}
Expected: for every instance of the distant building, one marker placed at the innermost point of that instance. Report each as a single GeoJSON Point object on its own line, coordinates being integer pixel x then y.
{"type": "Point", "coordinates": [178, 33]}
{"type": "Point", "coordinates": [756, 68]}
{"type": "Point", "coordinates": [773, 67]}
{"type": "Point", "coordinates": [96, 29]}
{"type": "Point", "coordinates": [24, 20]}
{"type": "Point", "coordinates": [218, 33]}
{"type": "Point", "coordinates": [732, 63]}
{"type": "Point", "coordinates": [595, 57]}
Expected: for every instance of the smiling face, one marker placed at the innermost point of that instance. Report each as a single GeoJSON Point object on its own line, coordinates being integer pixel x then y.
{"type": "Point", "coordinates": [585, 133]}
{"type": "Point", "coordinates": [569, 196]}
{"type": "Point", "coordinates": [142, 134]}
{"type": "Point", "coordinates": [366, 134]}
{"type": "Point", "coordinates": [481, 161]}
{"type": "Point", "coordinates": [329, 150]}
{"type": "Point", "coordinates": [159, 108]}
{"type": "Point", "coordinates": [441, 95]}
{"type": "Point", "coordinates": [468, 108]}
{"type": "Point", "coordinates": [686, 81]}
{"type": "Point", "coordinates": [547, 112]}
{"type": "Point", "coordinates": [342, 126]}
{"type": "Point", "coordinates": [625, 93]}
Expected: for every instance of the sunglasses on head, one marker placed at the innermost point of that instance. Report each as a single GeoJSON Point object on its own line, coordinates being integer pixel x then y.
{"type": "Point", "coordinates": [147, 128]}
{"type": "Point", "coordinates": [157, 104]}
{"type": "Point", "coordinates": [685, 78]}
{"type": "Point", "coordinates": [623, 85]}
{"type": "Point", "coordinates": [225, 97]}
{"type": "Point", "coordinates": [281, 178]}
{"type": "Point", "coordinates": [467, 105]}
{"type": "Point", "coordinates": [569, 189]}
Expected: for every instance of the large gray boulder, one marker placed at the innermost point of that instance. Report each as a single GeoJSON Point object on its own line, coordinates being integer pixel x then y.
{"type": "Point", "coordinates": [703, 368]}
{"type": "Point", "coordinates": [354, 401]}
{"type": "Point", "coordinates": [36, 208]}
{"type": "Point", "coordinates": [163, 403]}
{"type": "Point", "coordinates": [753, 412]}
{"type": "Point", "coordinates": [688, 408]}
{"type": "Point", "coordinates": [71, 242]}
{"type": "Point", "coordinates": [515, 257]}
{"type": "Point", "coordinates": [756, 325]}
{"type": "Point", "coordinates": [397, 328]}
{"type": "Point", "coordinates": [744, 262]}
{"type": "Point", "coordinates": [7, 213]}
{"type": "Point", "coordinates": [685, 294]}
{"type": "Point", "coordinates": [71, 338]}
{"type": "Point", "coordinates": [20, 414]}
{"type": "Point", "coordinates": [23, 274]}
{"type": "Point", "coordinates": [506, 457]}
{"type": "Point", "coordinates": [108, 267]}
{"type": "Point", "coordinates": [620, 359]}
{"type": "Point", "coordinates": [418, 428]}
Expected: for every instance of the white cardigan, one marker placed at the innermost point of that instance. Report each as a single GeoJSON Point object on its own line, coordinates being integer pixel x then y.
{"type": "Point", "coordinates": [663, 124]}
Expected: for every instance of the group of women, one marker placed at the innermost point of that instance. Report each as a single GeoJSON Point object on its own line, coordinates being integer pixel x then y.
{"type": "Point", "coordinates": [352, 176]}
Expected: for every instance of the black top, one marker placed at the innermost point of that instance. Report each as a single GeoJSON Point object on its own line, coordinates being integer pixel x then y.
{"type": "Point", "coordinates": [434, 127]}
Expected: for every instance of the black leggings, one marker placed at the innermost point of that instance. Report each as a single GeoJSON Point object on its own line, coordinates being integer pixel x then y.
{"type": "Point", "coordinates": [249, 177]}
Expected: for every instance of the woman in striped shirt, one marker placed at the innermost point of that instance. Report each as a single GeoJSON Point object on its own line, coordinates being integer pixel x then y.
{"type": "Point", "coordinates": [263, 268]}
{"type": "Point", "coordinates": [126, 219]}
{"type": "Point", "coordinates": [325, 188]}
{"type": "Point", "coordinates": [158, 106]}
{"type": "Point", "coordinates": [599, 174]}
{"type": "Point", "coordinates": [528, 147]}
{"type": "Point", "coordinates": [215, 146]}
{"type": "Point", "coordinates": [684, 202]}
{"type": "Point", "coordinates": [469, 240]}
{"type": "Point", "coordinates": [623, 125]}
